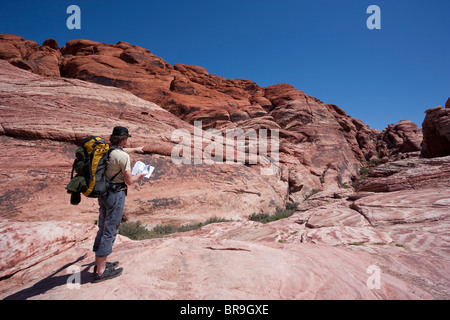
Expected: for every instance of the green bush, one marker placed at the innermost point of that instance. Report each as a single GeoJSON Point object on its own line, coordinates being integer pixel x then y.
{"type": "Point", "coordinates": [134, 231]}
{"type": "Point", "coordinates": [363, 171]}
{"type": "Point", "coordinates": [137, 231]}
{"type": "Point", "coordinates": [291, 206]}
{"type": "Point", "coordinates": [279, 214]}
{"type": "Point", "coordinates": [161, 230]}
{"type": "Point", "coordinates": [260, 217]}
{"type": "Point", "coordinates": [313, 192]}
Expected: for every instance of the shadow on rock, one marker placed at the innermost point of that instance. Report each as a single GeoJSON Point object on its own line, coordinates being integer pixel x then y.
{"type": "Point", "coordinates": [53, 281]}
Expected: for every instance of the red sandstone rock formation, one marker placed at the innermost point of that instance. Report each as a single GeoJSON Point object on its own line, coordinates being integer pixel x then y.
{"type": "Point", "coordinates": [408, 174]}
{"type": "Point", "coordinates": [402, 137]}
{"type": "Point", "coordinates": [43, 119]}
{"type": "Point", "coordinates": [359, 136]}
{"type": "Point", "coordinates": [436, 132]}
{"type": "Point", "coordinates": [26, 54]}
{"type": "Point", "coordinates": [314, 139]}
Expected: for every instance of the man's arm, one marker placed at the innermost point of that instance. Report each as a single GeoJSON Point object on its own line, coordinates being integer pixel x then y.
{"type": "Point", "coordinates": [130, 179]}
{"type": "Point", "coordinates": [134, 150]}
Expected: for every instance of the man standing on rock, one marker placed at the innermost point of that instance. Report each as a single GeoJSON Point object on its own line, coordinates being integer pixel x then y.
{"type": "Point", "coordinates": [112, 205]}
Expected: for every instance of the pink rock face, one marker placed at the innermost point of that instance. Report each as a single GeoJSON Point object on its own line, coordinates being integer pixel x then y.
{"type": "Point", "coordinates": [42, 119]}
{"type": "Point", "coordinates": [67, 110]}
{"type": "Point", "coordinates": [26, 244]}
{"type": "Point", "coordinates": [402, 206]}
{"type": "Point", "coordinates": [408, 174]}
{"type": "Point", "coordinates": [204, 268]}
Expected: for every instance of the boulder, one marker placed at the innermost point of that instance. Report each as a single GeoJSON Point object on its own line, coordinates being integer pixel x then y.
{"type": "Point", "coordinates": [15, 47]}
{"type": "Point", "coordinates": [403, 137]}
{"type": "Point", "coordinates": [436, 132]}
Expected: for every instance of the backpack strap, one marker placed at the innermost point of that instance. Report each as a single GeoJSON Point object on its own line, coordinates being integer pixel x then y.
{"type": "Point", "coordinates": [111, 149]}
{"type": "Point", "coordinates": [73, 168]}
{"type": "Point", "coordinates": [115, 175]}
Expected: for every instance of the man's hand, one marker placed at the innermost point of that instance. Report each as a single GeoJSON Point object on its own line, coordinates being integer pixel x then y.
{"type": "Point", "coordinates": [139, 150]}
{"type": "Point", "coordinates": [141, 176]}
{"type": "Point", "coordinates": [130, 179]}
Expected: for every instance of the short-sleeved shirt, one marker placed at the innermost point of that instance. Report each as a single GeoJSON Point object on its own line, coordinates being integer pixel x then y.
{"type": "Point", "coordinates": [119, 160]}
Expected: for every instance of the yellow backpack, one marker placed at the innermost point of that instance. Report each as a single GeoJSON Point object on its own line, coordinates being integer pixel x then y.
{"type": "Point", "coordinates": [90, 166]}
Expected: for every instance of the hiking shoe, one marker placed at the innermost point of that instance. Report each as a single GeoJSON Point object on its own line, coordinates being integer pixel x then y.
{"type": "Point", "coordinates": [109, 265]}
{"type": "Point", "coordinates": [108, 274]}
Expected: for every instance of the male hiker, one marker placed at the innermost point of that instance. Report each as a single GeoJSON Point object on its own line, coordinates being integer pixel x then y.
{"type": "Point", "coordinates": [111, 206]}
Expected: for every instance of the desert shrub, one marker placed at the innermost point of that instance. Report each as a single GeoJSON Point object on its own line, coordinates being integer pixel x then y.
{"type": "Point", "coordinates": [279, 214]}
{"type": "Point", "coordinates": [162, 230]}
{"type": "Point", "coordinates": [313, 192]}
{"type": "Point", "coordinates": [137, 231]}
{"type": "Point", "coordinates": [291, 206]}
{"type": "Point", "coordinates": [363, 171]}
{"type": "Point", "coordinates": [260, 217]}
{"type": "Point", "coordinates": [134, 230]}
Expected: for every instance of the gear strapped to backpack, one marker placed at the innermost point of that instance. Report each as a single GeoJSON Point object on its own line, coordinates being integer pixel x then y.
{"type": "Point", "coordinates": [90, 166]}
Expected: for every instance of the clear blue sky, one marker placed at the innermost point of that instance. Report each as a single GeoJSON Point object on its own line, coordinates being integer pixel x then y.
{"type": "Point", "coordinates": [321, 47]}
